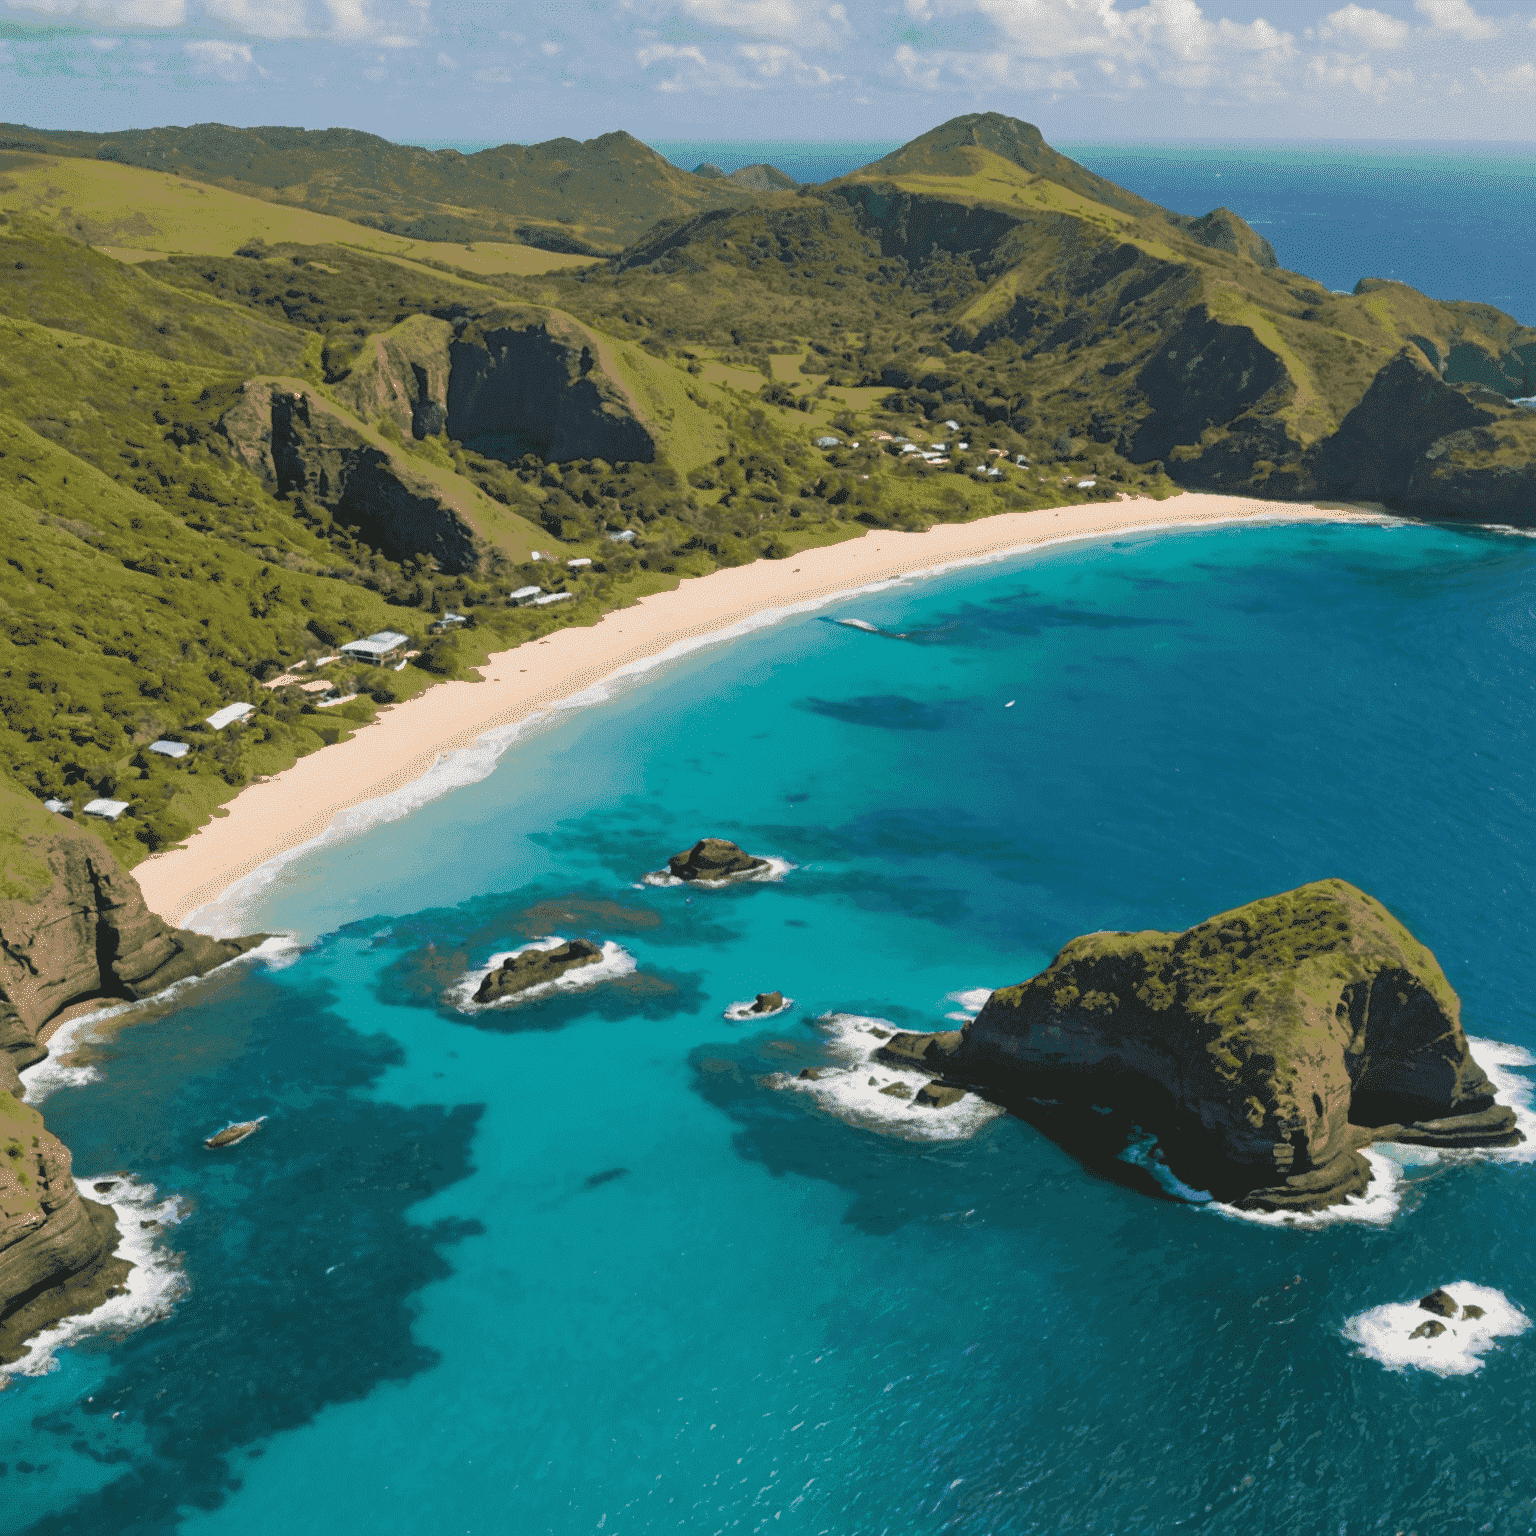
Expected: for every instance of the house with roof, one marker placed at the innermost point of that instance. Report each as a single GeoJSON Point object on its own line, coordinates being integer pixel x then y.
{"type": "Point", "coordinates": [383, 648]}
{"type": "Point", "coordinates": [229, 715]}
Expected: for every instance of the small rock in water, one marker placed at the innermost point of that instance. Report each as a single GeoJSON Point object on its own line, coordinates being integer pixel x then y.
{"type": "Point", "coordinates": [104, 1186]}
{"type": "Point", "coordinates": [767, 1002]}
{"type": "Point", "coordinates": [939, 1095]}
{"type": "Point", "coordinates": [1440, 1303]}
{"type": "Point", "coordinates": [810, 1074]}
{"type": "Point", "coordinates": [897, 1091]}
{"type": "Point", "coordinates": [607, 1176]}
{"type": "Point", "coordinates": [1469, 1312]}
{"type": "Point", "coordinates": [1428, 1331]}
{"type": "Point", "coordinates": [150, 1226]}
{"type": "Point", "coordinates": [880, 1034]}
{"type": "Point", "coordinates": [715, 858]}
{"type": "Point", "coordinates": [535, 967]}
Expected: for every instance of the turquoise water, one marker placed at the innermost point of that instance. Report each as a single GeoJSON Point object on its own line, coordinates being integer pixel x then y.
{"type": "Point", "coordinates": [581, 1265]}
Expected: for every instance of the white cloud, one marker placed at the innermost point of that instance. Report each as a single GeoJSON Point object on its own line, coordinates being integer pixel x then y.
{"type": "Point", "coordinates": [1356, 74]}
{"type": "Point", "coordinates": [772, 61]}
{"type": "Point", "coordinates": [1360, 24]}
{"type": "Point", "coordinates": [223, 61]}
{"type": "Point", "coordinates": [444, 62]}
{"type": "Point", "coordinates": [263, 18]}
{"type": "Point", "coordinates": [1456, 16]}
{"type": "Point", "coordinates": [549, 50]}
{"type": "Point", "coordinates": [497, 74]}
{"type": "Point", "coordinates": [1521, 78]}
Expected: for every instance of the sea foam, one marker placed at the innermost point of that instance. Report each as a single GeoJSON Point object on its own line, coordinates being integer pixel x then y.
{"type": "Point", "coordinates": [845, 1090]}
{"type": "Point", "coordinates": [1376, 1207]}
{"type": "Point", "coordinates": [968, 1003]}
{"type": "Point", "coordinates": [152, 1286]}
{"type": "Point", "coordinates": [616, 961]}
{"type": "Point", "coordinates": [1383, 1332]}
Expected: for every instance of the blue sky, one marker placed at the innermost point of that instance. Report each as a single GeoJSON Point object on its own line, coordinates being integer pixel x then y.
{"type": "Point", "coordinates": [724, 69]}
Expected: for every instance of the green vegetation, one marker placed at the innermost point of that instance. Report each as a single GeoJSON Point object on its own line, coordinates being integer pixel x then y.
{"type": "Point", "coordinates": [218, 465]}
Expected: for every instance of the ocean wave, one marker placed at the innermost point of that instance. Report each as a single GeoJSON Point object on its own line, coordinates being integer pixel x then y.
{"type": "Point", "coordinates": [1143, 1151]}
{"type": "Point", "coordinates": [971, 1001]}
{"type": "Point", "coordinates": [616, 961]}
{"type": "Point", "coordinates": [743, 1010]}
{"type": "Point", "coordinates": [1382, 1333]}
{"type": "Point", "coordinates": [151, 1289]}
{"type": "Point", "coordinates": [58, 1069]}
{"type": "Point", "coordinates": [1381, 1201]}
{"type": "Point", "coordinates": [852, 1090]}
{"type": "Point", "coordinates": [777, 869]}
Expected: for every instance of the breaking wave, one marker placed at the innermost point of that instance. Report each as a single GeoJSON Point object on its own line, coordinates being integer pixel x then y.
{"type": "Point", "coordinates": [616, 961]}
{"type": "Point", "coordinates": [1383, 1333]}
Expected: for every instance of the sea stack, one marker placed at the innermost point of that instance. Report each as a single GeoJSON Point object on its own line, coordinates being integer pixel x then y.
{"type": "Point", "coordinates": [533, 967]}
{"type": "Point", "coordinates": [1265, 1046]}
{"type": "Point", "coordinates": [713, 860]}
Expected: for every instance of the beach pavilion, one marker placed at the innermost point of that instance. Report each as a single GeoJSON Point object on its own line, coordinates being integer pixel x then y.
{"type": "Point", "coordinates": [380, 649]}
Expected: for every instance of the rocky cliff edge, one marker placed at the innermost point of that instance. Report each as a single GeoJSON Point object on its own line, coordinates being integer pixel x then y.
{"type": "Point", "coordinates": [74, 932]}
{"type": "Point", "coordinates": [1265, 1046]}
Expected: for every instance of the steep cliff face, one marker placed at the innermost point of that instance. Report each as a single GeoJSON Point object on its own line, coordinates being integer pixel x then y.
{"type": "Point", "coordinates": [301, 445]}
{"type": "Point", "coordinates": [55, 1248]}
{"type": "Point", "coordinates": [1266, 1045]}
{"type": "Point", "coordinates": [74, 930]}
{"type": "Point", "coordinates": [532, 380]}
{"type": "Point", "coordinates": [403, 375]}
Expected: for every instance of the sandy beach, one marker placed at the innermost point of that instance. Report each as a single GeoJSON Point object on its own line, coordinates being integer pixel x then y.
{"type": "Point", "coordinates": [292, 808]}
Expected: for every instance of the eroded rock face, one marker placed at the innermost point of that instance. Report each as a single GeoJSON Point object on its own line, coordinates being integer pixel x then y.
{"type": "Point", "coordinates": [80, 935]}
{"type": "Point", "coordinates": [768, 1002]}
{"type": "Point", "coordinates": [86, 937]}
{"type": "Point", "coordinates": [1265, 1046]}
{"type": "Point", "coordinates": [715, 858]}
{"type": "Point", "coordinates": [534, 967]}
{"type": "Point", "coordinates": [533, 380]}
{"type": "Point", "coordinates": [55, 1248]}
{"type": "Point", "coordinates": [301, 445]}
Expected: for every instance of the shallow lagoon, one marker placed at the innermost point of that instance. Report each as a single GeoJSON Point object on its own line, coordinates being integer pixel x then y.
{"type": "Point", "coordinates": [425, 1298]}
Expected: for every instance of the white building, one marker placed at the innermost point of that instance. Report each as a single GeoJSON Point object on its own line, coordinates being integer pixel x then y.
{"type": "Point", "coordinates": [59, 807]}
{"type": "Point", "coordinates": [551, 597]}
{"type": "Point", "coordinates": [230, 714]}
{"type": "Point", "coordinates": [379, 649]}
{"type": "Point", "coordinates": [524, 595]}
{"type": "Point", "coordinates": [169, 748]}
{"type": "Point", "coordinates": [108, 810]}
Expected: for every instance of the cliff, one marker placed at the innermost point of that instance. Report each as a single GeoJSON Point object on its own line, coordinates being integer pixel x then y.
{"type": "Point", "coordinates": [74, 931]}
{"type": "Point", "coordinates": [1265, 1046]}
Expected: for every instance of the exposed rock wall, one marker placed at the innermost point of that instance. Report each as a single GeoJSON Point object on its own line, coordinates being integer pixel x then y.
{"type": "Point", "coordinates": [78, 933]}
{"type": "Point", "coordinates": [301, 446]}
{"type": "Point", "coordinates": [535, 376]}
{"type": "Point", "coordinates": [1265, 1046]}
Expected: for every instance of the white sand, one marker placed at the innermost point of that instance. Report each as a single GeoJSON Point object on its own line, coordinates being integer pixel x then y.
{"type": "Point", "coordinates": [293, 807]}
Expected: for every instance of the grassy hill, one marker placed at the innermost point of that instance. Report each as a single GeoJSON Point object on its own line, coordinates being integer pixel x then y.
{"type": "Point", "coordinates": [141, 215]}
{"type": "Point", "coordinates": [565, 195]}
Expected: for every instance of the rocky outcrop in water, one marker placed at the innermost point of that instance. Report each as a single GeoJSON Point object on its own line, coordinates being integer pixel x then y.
{"type": "Point", "coordinates": [533, 968]}
{"type": "Point", "coordinates": [715, 859]}
{"type": "Point", "coordinates": [1265, 1047]}
{"type": "Point", "coordinates": [74, 931]}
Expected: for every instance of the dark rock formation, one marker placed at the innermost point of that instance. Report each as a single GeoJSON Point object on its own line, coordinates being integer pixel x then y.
{"type": "Point", "coordinates": [1428, 1331]}
{"type": "Point", "coordinates": [715, 859]}
{"type": "Point", "coordinates": [1265, 1046]}
{"type": "Point", "coordinates": [1440, 1303]}
{"type": "Point", "coordinates": [534, 967]}
{"type": "Point", "coordinates": [302, 446]}
{"type": "Point", "coordinates": [897, 1091]}
{"type": "Point", "coordinates": [1469, 1312]}
{"type": "Point", "coordinates": [809, 1074]}
{"type": "Point", "coordinates": [767, 1002]}
{"type": "Point", "coordinates": [938, 1095]}
{"type": "Point", "coordinates": [74, 931]}
{"type": "Point", "coordinates": [533, 380]}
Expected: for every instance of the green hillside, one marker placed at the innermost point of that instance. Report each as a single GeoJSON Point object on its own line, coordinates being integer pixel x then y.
{"type": "Point", "coordinates": [220, 462]}
{"type": "Point", "coordinates": [565, 195]}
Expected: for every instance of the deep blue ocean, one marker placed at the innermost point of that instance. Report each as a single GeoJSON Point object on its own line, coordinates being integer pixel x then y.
{"type": "Point", "coordinates": [591, 1265]}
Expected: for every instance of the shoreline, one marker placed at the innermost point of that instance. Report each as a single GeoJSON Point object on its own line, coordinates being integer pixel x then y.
{"type": "Point", "coordinates": [299, 806]}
